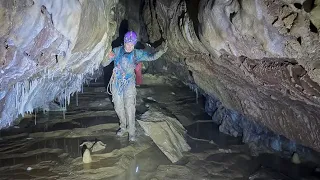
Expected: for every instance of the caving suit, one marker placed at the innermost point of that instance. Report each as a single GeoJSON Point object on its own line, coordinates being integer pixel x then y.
{"type": "Point", "coordinates": [122, 84]}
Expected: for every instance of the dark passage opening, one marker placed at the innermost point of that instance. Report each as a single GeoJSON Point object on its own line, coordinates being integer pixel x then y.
{"type": "Point", "coordinates": [193, 10]}
{"type": "Point", "coordinates": [308, 5]}
{"type": "Point", "coordinates": [313, 28]}
{"type": "Point", "coordinates": [297, 5]}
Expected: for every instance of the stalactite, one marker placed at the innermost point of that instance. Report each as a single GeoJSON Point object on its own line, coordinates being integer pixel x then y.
{"type": "Point", "coordinates": [195, 89]}
{"type": "Point", "coordinates": [38, 79]}
{"type": "Point", "coordinates": [35, 117]}
{"type": "Point", "coordinates": [82, 88]}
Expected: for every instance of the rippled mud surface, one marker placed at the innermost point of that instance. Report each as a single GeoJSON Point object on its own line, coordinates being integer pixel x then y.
{"type": "Point", "coordinates": [47, 146]}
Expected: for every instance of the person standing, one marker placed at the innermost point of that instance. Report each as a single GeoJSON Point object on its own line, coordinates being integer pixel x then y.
{"type": "Point", "coordinates": [123, 81]}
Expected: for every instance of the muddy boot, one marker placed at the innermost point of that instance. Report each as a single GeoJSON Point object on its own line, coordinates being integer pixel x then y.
{"type": "Point", "coordinates": [132, 138]}
{"type": "Point", "coordinates": [121, 132]}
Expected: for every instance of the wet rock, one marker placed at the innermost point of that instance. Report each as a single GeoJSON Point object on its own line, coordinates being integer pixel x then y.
{"type": "Point", "coordinates": [295, 159]}
{"type": "Point", "coordinates": [79, 132]}
{"type": "Point", "coordinates": [315, 14]}
{"type": "Point", "coordinates": [243, 55]}
{"type": "Point", "coordinates": [86, 158]}
{"type": "Point", "coordinates": [94, 146]}
{"type": "Point", "coordinates": [166, 132]}
{"type": "Point", "coordinates": [286, 167]}
{"type": "Point", "coordinates": [173, 172]}
{"type": "Point", "coordinates": [102, 103]}
{"type": "Point", "coordinates": [265, 174]}
{"type": "Point", "coordinates": [257, 58]}
{"type": "Point", "coordinates": [56, 154]}
{"type": "Point", "coordinates": [260, 138]}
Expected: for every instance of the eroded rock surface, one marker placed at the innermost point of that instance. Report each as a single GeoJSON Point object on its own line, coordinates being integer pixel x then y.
{"type": "Point", "coordinates": [168, 133]}
{"type": "Point", "coordinates": [49, 49]}
{"type": "Point", "coordinates": [50, 149]}
{"type": "Point", "coordinates": [259, 58]}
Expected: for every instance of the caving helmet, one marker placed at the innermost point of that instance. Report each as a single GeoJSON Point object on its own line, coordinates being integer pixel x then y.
{"type": "Point", "coordinates": [130, 36]}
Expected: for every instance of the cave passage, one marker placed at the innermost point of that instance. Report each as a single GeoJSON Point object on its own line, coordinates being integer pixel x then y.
{"type": "Point", "coordinates": [234, 96]}
{"type": "Point", "coordinates": [51, 148]}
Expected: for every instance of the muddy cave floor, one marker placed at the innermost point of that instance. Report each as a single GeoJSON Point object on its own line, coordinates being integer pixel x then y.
{"type": "Point", "coordinates": [50, 149]}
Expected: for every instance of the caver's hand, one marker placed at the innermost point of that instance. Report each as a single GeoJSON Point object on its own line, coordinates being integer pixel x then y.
{"type": "Point", "coordinates": [111, 55]}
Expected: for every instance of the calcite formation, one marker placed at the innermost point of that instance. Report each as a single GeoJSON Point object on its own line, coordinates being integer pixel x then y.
{"type": "Point", "coordinates": [49, 48]}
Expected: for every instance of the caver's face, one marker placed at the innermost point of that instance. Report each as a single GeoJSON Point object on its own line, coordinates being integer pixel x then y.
{"type": "Point", "coordinates": [128, 47]}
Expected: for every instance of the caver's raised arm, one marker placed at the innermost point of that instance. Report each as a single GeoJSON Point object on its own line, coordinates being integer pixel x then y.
{"type": "Point", "coordinates": [142, 55]}
{"type": "Point", "coordinates": [110, 56]}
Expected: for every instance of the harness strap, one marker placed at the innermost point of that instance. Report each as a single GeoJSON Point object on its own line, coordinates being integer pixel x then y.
{"type": "Point", "coordinates": [120, 84]}
{"type": "Point", "coordinates": [115, 80]}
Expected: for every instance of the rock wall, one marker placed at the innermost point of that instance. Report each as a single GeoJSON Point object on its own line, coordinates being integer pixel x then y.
{"type": "Point", "coordinates": [49, 48]}
{"type": "Point", "coordinates": [258, 57]}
